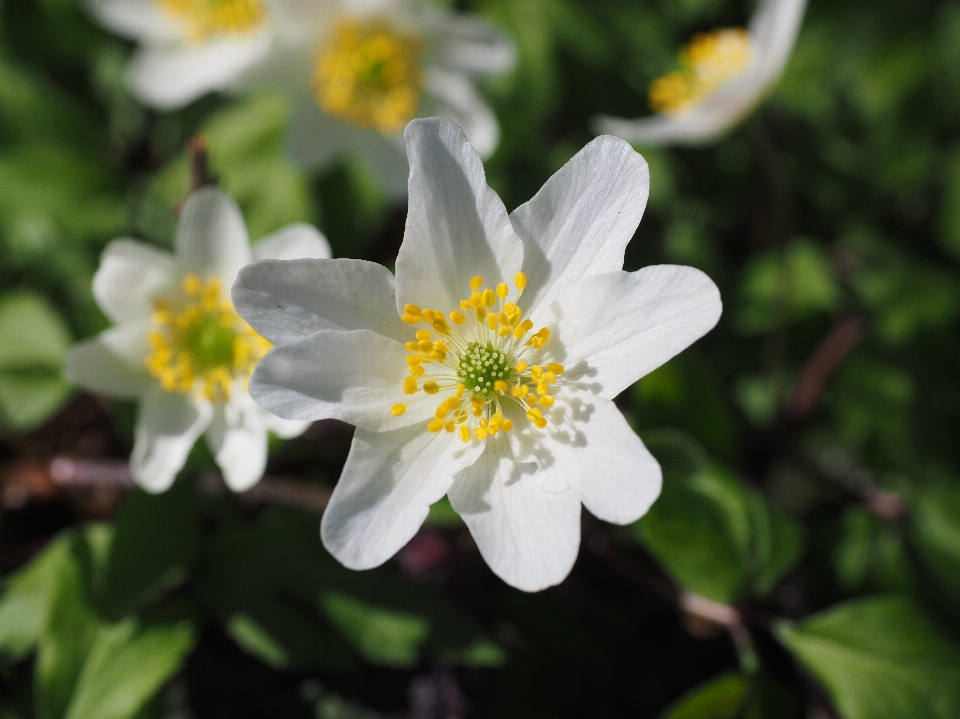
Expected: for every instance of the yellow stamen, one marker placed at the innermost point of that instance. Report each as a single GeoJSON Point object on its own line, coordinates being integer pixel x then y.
{"type": "Point", "coordinates": [204, 19]}
{"type": "Point", "coordinates": [198, 344]}
{"type": "Point", "coordinates": [398, 409]}
{"type": "Point", "coordinates": [369, 74]}
{"type": "Point", "coordinates": [709, 60]}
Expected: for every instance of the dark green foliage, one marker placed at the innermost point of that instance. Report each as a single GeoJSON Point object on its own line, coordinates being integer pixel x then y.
{"type": "Point", "coordinates": [804, 557]}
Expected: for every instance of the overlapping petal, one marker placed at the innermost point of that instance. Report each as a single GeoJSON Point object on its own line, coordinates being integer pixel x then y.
{"type": "Point", "coordinates": [351, 376]}
{"type": "Point", "coordinates": [112, 362]}
{"type": "Point", "coordinates": [167, 427]}
{"type": "Point", "coordinates": [293, 242]}
{"type": "Point", "coordinates": [238, 439]}
{"type": "Point", "coordinates": [472, 45]}
{"type": "Point", "coordinates": [286, 301]}
{"type": "Point", "coordinates": [616, 327]}
{"type": "Point", "coordinates": [136, 19]}
{"type": "Point", "coordinates": [591, 443]}
{"type": "Point", "coordinates": [130, 276]}
{"type": "Point", "coordinates": [169, 76]}
{"type": "Point", "coordinates": [581, 220]}
{"type": "Point", "coordinates": [457, 227]}
{"type": "Point", "coordinates": [211, 237]}
{"type": "Point", "coordinates": [528, 534]}
{"type": "Point", "coordinates": [386, 489]}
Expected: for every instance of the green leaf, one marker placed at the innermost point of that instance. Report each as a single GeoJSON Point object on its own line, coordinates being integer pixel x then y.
{"type": "Point", "coordinates": [879, 659]}
{"type": "Point", "coordinates": [935, 532]}
{"type": "Point", "coordinates": [26, 601]}
{"type": "Point", "coordinates": [786, 287]}
{"type": "Point", "coordinates": [713, 535]}
{"type": "Point", "coordinates": [125, 668]}
{"type": "Point", "coordinates": [69, 630]}
{"type": "Point", "coordinates": [720, 698]}
{"type": "Point", "coordinates": [382, 636]}
{"type": "Point", "coordinates": [33, 343]}
{"type": "Point", "coordinates": [155, 540]}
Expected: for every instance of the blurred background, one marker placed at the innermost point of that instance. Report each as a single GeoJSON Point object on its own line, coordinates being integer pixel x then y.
{"type": "Point", "coordinates": [804, 558]}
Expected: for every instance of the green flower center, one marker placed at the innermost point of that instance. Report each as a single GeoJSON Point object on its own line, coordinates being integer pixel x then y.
{"type": "Point", "coordinates": [481, 366]}
{"type": "Point", "coordinates": [210, 343]}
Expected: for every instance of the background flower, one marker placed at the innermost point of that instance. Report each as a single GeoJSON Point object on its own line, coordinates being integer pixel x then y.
{"type": "Point", "coordinates": [481, 407]}
{"type": "Point", "coordinates": [358, 71]}
{"type": "Point", "coordinates": [188, 47]}
{"type": "Point", "coordinates": [180, 349]}
{"type": "Point", "coordinates": [727, 75]}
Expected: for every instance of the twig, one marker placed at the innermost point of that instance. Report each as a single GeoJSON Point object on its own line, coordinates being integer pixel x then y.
{"type": "Point", "coordinates": [200, 175]}
{"type": "Point", "coordinates": [701, 609]}
{"type": "Point", "coordinates": [45, 479]}
{"type": "Point", "coordinates": [845, 335]}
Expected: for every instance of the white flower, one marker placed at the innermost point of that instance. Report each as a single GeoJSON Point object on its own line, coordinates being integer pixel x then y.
{"type": "Point", "coordinates": [359, 70]}
{"type": "Point", "coordinates": [726, 72]}
{"type": "Point", "coordinates": [500, 395]}
{"type": "Point", "coordinates": [189, 47]}
{"type": "Point", "coordinates": [180, 348]}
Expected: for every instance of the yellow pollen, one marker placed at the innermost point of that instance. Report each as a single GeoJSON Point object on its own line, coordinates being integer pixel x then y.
{"type": "Point", "coordinates": [398, 409]}
{"type": "Point", "coordinates": [709, 60]}
{"type": "Point", "coordinates": [485, 355]}
{"type": "Point", "coordinates": [368, 73]}
{"type": "Point", "coordinates": [520, 280]}
{"type": "Point", "coordinates": [198, 344]}
{"type": "Point", "coordinates": [203, 19]}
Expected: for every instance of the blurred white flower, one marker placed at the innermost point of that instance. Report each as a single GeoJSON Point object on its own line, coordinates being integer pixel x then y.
{"type": "Point", "coordinates": [725, 74]}
{"type": "Point", "coordinates": [358, 70]}
{"type": "Point", "coordinates": [486, 370]}
{"type": "Point", "coordinates": [189, 47]}
{"type": "Point", "coordinates": [180, 348]}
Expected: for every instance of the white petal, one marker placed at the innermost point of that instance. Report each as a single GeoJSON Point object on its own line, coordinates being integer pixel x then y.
{"type": "Point", "coordinates": [773, 31]}
{"type": "Point", "coordinates": [238, 439]}
{"type": "Point", "coordinates": [293, 242]}
{"type": "Point", "coordinates": [136, 19]}
{"type": "Point", "coordinates": [613, 329]}
{"type": "Point", "coordinates": [284, 428]}
{"type": "Point", "coordinates": [581, 220]}
{"type": "Point", "coordinates": [615, 476]}
{"type": "Point", "coordinates": [171, 75]}
{"type": "Point", "coordinates": [211, 236]}
{"type": "Point", "coordinates": [288, 300]}
{"type": "Point", "coordinates": [167, 428]}
{"type": "Point", "coordinates": [453, 96]}
{"type": "Point", "coordinates": [386, 489]}
{"type": "Point", "coordinates": [112, 363]}
{"type": "Point", "coordinates": [700, 124]}
{"type": "Point", "coordinates": [472, 45]}
{"type": "Point", "coordinates": [457, 227]}
{"type": "Point", "coordinates": [529, 536]}
{"type": "Point", "coordinates": [130, 276]}
{"type": "Point", "coordinates": [355, 377]}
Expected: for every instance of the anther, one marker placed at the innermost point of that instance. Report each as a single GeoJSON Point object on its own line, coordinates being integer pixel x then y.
{"type": "Point", "coordinates": [555, 368]}
{"type": "Point", "coordinates": [412, 310]}
{"type": "Point", "coordinates": [435, 425]}
{"type": "Point", "coordinates": [431, 387]}
{"type": "Point", "coordinates": [476, 283]}
{"type": "Point", "coordinates": [457, 318]}
{"type": "Point", "coordinates": [502, 290]}
{"type": "Point", "coordinates": [520, 280]}
{"type": "Point", "coordinates": [398, 409]}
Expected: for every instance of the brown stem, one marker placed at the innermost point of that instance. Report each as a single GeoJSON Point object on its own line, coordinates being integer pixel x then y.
{"type": "Point", "coordinates": [845, 335]}
{"type": "Point", "coordinates": [200, 175]}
